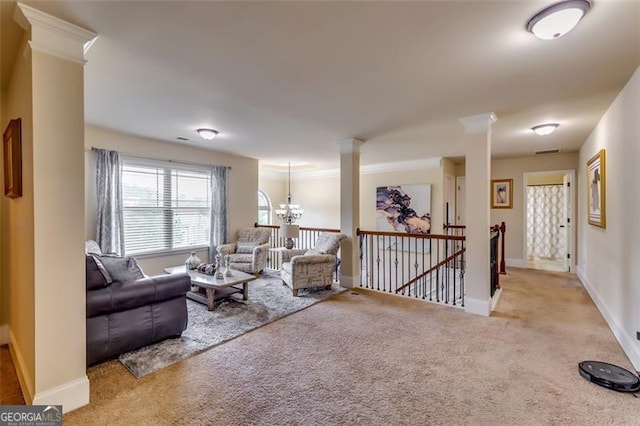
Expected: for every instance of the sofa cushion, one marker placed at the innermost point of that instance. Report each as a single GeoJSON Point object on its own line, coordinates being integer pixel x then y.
{"type": "Point", "coordinates": [91, 246]}
{"type": "Point", "coordinates": [96, 275]}
{"type": "Point", "coordinates": [121, 296]}
{"type": "Point", "coordinates": [120, 268]}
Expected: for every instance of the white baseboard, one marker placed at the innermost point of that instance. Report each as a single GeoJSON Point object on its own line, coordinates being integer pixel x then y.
{"type": "Point", "coordinates": [24, 378]}
{"type": "Point", "coordinates": [347, 281]}
{"type": "Point", "coordinates": [71, 395]}
{"type": "Point", "coordinates": [477, 306]}
{"type": "Point", "coordinates": [627, 342]}
{"type": "Point", "coordinates": [516, 263]}
{"type": "Point", "coordinates": [495, 298]}
{"type": "Point", "coordinates": [4, 334]}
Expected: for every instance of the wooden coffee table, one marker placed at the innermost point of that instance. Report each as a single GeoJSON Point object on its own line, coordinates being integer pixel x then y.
{"type": "Point", "coordinates": [211, 288]}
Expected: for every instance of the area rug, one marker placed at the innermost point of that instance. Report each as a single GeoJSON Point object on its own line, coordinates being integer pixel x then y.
{"type": "Point", "coordinates": [268, 301]}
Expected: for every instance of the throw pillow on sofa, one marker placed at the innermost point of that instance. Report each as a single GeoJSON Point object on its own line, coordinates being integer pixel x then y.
{"type": "Point", "coordinates": [120, 268]}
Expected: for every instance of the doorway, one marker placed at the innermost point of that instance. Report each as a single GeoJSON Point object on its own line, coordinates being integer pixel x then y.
{"type": "Point", "coordinates": [548, 210]}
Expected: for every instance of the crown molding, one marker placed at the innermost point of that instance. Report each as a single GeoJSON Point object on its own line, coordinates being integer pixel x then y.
{"type": "Point", "coordinates": [422, 164]}
{"type": "Point", "coordinates": [480, 123]}
{"type": "Point", "coordinates": [54, 36]}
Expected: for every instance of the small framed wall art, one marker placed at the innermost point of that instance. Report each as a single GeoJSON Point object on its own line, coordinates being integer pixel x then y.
{"type": "Point", "coordinates": [12, 150]}
{"type": "Point", "coordinates": [597, 190]}
{"type": "Point", "coordinates": [502, 193]}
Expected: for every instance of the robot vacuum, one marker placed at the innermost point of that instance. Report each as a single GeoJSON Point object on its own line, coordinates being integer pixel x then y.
{"type": "Point", "coordinates": [609, 376]}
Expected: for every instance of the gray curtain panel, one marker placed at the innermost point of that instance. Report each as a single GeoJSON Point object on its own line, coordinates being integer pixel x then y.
{"type": "Point", "coordinates": [110, 224]}
{"type": "Point", "coordinates": [218, 209]}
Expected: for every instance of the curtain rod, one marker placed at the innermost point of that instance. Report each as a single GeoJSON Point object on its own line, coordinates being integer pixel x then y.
{"type": "Point", "coordinates": [93, 148]}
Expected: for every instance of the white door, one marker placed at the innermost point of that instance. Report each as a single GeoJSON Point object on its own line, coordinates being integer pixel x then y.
{"type": "Point", "coordinates": [449, 199]}
{"type": "Point", "coordinates": [460, 196]}
{"type": "Point", "coordinates": [566, 182]}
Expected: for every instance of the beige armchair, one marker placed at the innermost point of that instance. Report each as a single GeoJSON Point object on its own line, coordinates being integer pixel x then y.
{"type": "Point", "coordinates": [311, 268]}
{"type": "Point", "coordinates": [249, 253]}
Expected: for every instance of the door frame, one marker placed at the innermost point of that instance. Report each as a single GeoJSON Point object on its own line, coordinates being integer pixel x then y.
{"type": "Point", "coordinates": [572, 203]}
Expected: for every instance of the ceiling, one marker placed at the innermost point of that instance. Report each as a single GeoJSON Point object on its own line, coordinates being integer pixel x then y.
{"type": "Point", "coordinates": [284, 81]}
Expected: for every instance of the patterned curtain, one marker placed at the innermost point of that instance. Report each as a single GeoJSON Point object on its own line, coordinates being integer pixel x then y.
{"type": "Point", "coordinates": [218, 209]}
{"type": "Point", "coordinates": [545, 205]}
{"type": "Point", "coordinates": [110, 224]}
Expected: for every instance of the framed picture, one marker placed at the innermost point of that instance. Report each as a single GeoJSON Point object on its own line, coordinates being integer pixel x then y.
{"type": "Point", "coordinates": [596, 190]}
{"type": "Point", "coordinates": [502, 193]}
{"type": "Point", "coordinates": [12, 149]}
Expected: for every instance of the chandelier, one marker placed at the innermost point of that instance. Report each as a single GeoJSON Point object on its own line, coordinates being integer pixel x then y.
{"type": "Point", "coordinates": [289, 213]}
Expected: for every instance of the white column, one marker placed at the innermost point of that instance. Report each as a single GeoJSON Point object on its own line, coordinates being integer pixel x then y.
{"type": "Point", "coordinates": [478, 176]}
{"type": "Point", "coordinates": [350, 211]}
{"type": "Point", "coordinates": [56, 50]}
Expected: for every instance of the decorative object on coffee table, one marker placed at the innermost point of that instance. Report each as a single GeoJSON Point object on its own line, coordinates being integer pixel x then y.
{"type": "Point", "coordinates": [192, 261]}
{"type": "Point", "coordinates": [227, 268]}
{"type": "Point", "coordinates": [219, 275]}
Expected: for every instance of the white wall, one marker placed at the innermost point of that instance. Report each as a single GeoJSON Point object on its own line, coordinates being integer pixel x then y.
{"type": "Point", "coordinates": [242, 183]}
{"type": "Point", "coordinates": [609, 265]}
{"type": "Point", "coordinates": [277, 192]}
{"type": "Point", "coordinates": [320, 197]}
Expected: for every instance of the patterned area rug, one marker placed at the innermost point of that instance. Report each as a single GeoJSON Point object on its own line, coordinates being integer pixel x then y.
{"type": "Point", "coordinates": [268, 301]}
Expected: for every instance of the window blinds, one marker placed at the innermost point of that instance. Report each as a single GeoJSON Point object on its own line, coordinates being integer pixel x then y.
{"type": "Point", "coordinates": [167, 206]}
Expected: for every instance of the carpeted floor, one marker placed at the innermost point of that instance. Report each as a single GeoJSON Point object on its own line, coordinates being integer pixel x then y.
{"type": "Point", "coordinates": [375, 359]}
{"type": "Point", "coordinates": [268, 301]}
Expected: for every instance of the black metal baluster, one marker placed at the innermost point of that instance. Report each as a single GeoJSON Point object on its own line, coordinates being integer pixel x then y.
{"type": "Point", "coordinates": [378, 261]}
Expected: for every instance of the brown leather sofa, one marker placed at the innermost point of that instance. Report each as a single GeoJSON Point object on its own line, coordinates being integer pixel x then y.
{"type": "Point", "coordinates": [123, 316]}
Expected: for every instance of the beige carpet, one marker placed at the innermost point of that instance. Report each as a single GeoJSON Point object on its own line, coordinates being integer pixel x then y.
{"type": "Point", "coordinates": [379, 360]}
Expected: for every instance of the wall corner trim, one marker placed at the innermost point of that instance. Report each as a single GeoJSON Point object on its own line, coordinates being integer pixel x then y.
{"type": "Point", "coordinates": [477, 306]}
{"type": "Point", "coordinates": [24, 378]}
{"type": "Point", "coordinates": [70, 395]}
{"type": "Point", "coordinates": [629, 346]}
{"type": "Point", "coordinates": [349, 281]}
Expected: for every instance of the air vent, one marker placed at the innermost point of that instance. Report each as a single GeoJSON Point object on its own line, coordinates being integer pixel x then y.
{"type": "Point", "coordinates": [182, 138]}
{"type": "Point", "coordinates": [548, 151]}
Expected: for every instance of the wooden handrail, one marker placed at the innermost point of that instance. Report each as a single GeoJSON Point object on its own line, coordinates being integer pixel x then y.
{"type": "Point", "coordinates": [433, 268]}
{"type": "Point", "coordinates": [402, 234]}
{"type": "Point", "coordinates": [302, 228]}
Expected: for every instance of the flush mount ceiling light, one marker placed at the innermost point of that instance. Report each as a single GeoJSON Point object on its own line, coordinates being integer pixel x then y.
{"type": "Point", "coordinates": [558, 19]}
{"type": "Point", "coordinates": [208, 134]}
{"type": "Point", "coordinates": [545, 129]}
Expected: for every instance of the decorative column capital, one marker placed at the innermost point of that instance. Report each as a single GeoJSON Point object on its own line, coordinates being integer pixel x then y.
{"type": "Point", "coordinates": [350, 146]}
{"type": "Point", "coordinates": [480, 123]}
{"type": "Point", "coordinates": [54, 36]}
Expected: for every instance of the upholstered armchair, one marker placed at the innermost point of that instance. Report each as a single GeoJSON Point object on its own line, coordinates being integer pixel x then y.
{"type": "Point", "coordinates": [314, 267]}
{"type": "Point", "coordinates": [249, 253]}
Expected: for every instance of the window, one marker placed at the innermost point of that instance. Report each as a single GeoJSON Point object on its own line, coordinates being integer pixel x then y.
{"type": "Point", "coordinates": [264, 208]}
{"type": "Point", "coordinates": [167, 206]}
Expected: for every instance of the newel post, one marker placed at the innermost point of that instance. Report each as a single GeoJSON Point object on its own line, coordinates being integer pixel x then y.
{"type": "Point", "coordinates": [503, 230]}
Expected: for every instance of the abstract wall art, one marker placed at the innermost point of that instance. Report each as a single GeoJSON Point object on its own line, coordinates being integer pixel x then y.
{"type": "Point", "coordinates": [404, 208]}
